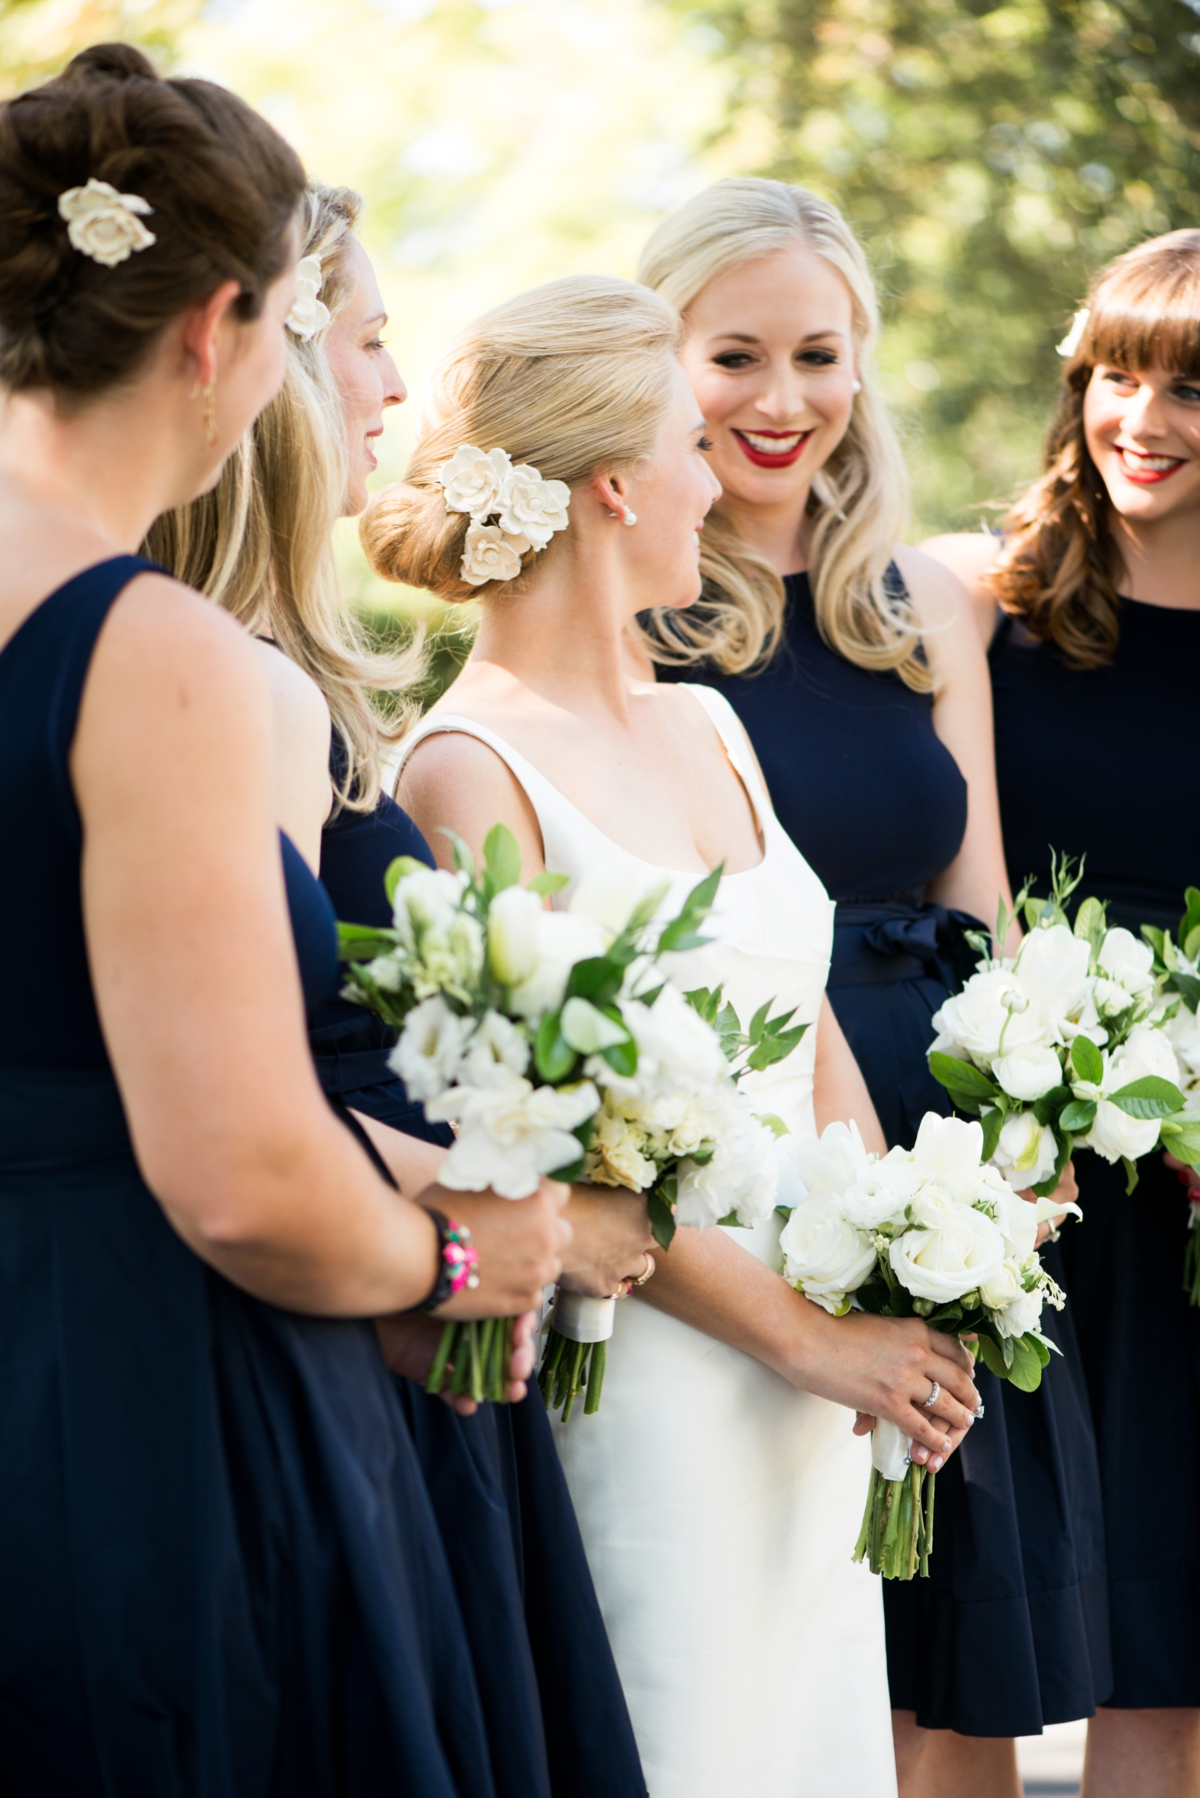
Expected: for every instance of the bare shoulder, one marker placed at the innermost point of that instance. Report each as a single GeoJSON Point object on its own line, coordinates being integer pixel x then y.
{"type": "Point", "coordinates": [967, 554]}
{"type": "Point", "coordinates": [159, 628]}
{"type": "Point", "coordinates": [453, 781]}
{"type": "Point", "coordinates": [952, 606]}
{"type": "Point", "coordinates": [294, 693]}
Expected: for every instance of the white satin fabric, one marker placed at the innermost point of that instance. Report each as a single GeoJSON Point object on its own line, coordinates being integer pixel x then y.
{"type": "Point", "coordinates": [719, 1505]}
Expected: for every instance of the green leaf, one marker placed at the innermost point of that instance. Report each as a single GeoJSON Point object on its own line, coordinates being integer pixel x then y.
{"type": "Point", "coordinates": [1181, 1135]}
{"type": "Point", "coordinates": [397, 870]}
{"type": "Point", "coordinates": [706, 1001]}
{"type": "Point", "coordinates": [1025, 1370]}
{"type": "Point", "coordinates": [731, 1221]}
{"type": "Point", "coordinates": [1089, 922]}
{"type": "Point", "coordinates": [662, 1219]}
{"type": "Point", "coordinates": [361, 942]}
{"type": "Point", "coordinates": [552, 1053]}
{"type": "Point", "coordinates": [541, 884]}
{"type": "Point", "coordinates": [992, 1356]}
{"type": "Point", "coordinates": [961, 1076]}
{"type": "Point", "coordinates": [1188, 986]}
{"type": "Point", "coordinates": [776, 1126]}
{"type": "Point", "coordinates": [1131, 1174]}
{"type": "Point", "coordinates": [1150, 1097]}
{"type": "Point", "coordinates": [1046, 1187]}
{"type": "Point", "coordinates": [775, 1048]}
{"type": "Point", "coordinates": [1087, 1060]}
{"type": "Point", "coordinates": [572, 1171]}
{"type": "Point", "coordinates": [680, 933]}
{"type": "Point", "coordinates": [1078, 1116]}
{"type": "Point", "coordinates": [1191, 944]}
{"type": "Point", "coordinates": [599, 979]}
{"type": "Point", "coordinates": [622, 1058]}
{"type": "Point", "coordinates": [501, 858]}
{"type": "Point", "coordinates": [1189, 924]}
{"type": "Point", "coordinates": [992, 1122]}
{"type": "Point", "coordinates": [1047, 1108]}
{"type": "Point", "coordinates": [1157, 940]}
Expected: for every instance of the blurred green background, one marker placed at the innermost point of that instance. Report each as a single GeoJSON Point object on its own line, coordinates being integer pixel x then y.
{"type": "Point", "coordinates": [990, 156]}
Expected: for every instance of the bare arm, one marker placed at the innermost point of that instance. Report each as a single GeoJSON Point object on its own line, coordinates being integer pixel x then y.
{"type": "Point", "coordinates": [967, 555]}
{"type": "Point", "coordinates": [195, 977]}
{"type": "Point", "coordinates": [300, 717]}
{"type": "Point", "coordinates": [976, 880]}
{"type": "Point", "coordinates": [839, 1090]}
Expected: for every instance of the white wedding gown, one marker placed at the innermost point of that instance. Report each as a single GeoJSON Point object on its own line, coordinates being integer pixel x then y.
{"type": "Point", "coordinates": [719, 1505]}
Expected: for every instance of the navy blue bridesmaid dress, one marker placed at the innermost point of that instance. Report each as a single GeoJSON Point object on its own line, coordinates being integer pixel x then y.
{"type": "Point", "coordinates": [1009, 1632]}
{"type": "Point", "coordinates": [220, 1570]}
{"type": "Point", "coordinates": [555, 1712]}
{"type": "Point", "coordinates": [1094, 762]}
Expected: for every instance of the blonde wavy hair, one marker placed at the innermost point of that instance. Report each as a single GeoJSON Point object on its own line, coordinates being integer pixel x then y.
{"type": "Point", "coordinates": [572, 377]}
{"type": "Point", "coordinates": [1059, 565]}
{"type": "Point", "coordinates": [261, 543]}
{"type": "Point", "coordinates": [859, 500]}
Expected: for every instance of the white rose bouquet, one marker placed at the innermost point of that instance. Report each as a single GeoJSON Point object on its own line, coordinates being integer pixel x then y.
{"type": "Point", "coordinates": [1061, 1046]}
{"type": "Point", "coordinates": [1177, 967]}
{"type": "Point", "coordinates": [930, 1232]}
{"type": "Point", "coordinates": [535, 1031]}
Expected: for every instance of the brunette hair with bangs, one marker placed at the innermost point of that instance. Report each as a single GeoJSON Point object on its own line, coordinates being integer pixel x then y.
{"type": "Point", "coordinates": [1058, 568]}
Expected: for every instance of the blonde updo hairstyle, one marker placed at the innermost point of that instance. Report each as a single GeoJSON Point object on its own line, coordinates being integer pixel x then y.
{"type": "Point", "coordinates": [261, 543]}
{"type": "Point", "coordinates": [571, 377]}
{"type": "Point", "coordinates": [859, 500]}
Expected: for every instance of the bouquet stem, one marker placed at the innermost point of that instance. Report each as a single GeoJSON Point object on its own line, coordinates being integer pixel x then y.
{"type": "Point", "coordinates": [472, 1360]}
{"type": "Point", "coordinates": [896, 1538]}
{"type": "Point", "coordinates": [576, 1352]}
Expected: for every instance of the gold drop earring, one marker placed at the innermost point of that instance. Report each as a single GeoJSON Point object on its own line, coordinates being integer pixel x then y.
{"type": "Point", "coordinates": [209, 395]}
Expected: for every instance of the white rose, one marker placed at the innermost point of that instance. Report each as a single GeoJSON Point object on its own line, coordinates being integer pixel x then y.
{"type": "Point", "coordinates": [978, 1017]}
{"type": "Point", "coordinates": [563, 939]}
{"type": "Point", "coordinates": [1026, 1150]}
{"type": "Point", "coordinates": [1183, 1034]}
{"type": "Point", "coordinates": [498, 1044]}
{"type": "Point", "coordinates": [308, 314]}
{"type": "Point", "coordinates": [1114, 1133]}
{"type": "Point", "coordinates": [881, 1192]}
{"type": "Point", "coordinates": [1124, 958]}
{"type": "Point", "coordinates": [533, 508]}
{"type": "Point", "coordinates": [472, 479]}
{"type": "Point", "coordinates": [1023, 1314]}
{"type": "Point", "coordinates": [1052, 970]}
{"type": "Point", "coordinates": [430, 1049]}
{"type": "Point", "coordinates": [677, 1050]}
{"type": "Point", "coordinates": [513, 921]}
{"type": "Point", "coordinates": [1028, 1071]}
{"type": "Point", "coordinates": [824, 1255]}
{"type": "Point", "coordinates": [510, 1133]}
{"type": "Point", "coordinates": [933, 1205]}
{"type": "Point", "coordinates": [1006, 1287]}
{"type": "Point", "coordinates": [1146, 1050]}
{"type": "Point", "coordinates": [490, 554]}
{"type": "Point", "coordinates": [943, 1264]}
{"type": "Point", "coordinates": [615, 1153]}
{"type": "Point", "coordinates": [103, 224]}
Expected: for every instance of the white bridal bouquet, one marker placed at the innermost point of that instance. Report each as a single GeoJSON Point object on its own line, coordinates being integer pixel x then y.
{"type": "Point", "coordinates": [930, 1232]}
{"type": "Point", "coordinates": [1177, 967]}
{"type": "Point", "coordinates": [553, 1044]}
{"type": "Point", "coordinates": [1062, 1046]}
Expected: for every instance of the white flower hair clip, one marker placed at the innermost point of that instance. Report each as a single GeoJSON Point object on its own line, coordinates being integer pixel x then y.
{"type": "Point", "coordinates": [308, 314]}
{"type": "Point", "coordinates": [527, 511]}
{"type": "Point", "coordinates": [1074, 336]}
{"type": "Point", "coordinates": [103, 224]}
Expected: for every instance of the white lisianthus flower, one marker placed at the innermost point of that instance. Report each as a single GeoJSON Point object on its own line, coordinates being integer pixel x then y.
{"type": "Point", "coordinates": [103, 224]}
{"type": "Point", "coordinates": [387, 973]}
{"type": "Point", "coordinates": [530, 507]}
{"type": "Point", "coordinates": [510, 1133]}
{"type": "Point", "coordinates": [450, 961]}
{"type": "Point", "coordinates": [1026, 1150]}
{"type": "Point", "coordinates": [824, 1254]}
{"type": "Point", "coordinates": [742, 1176]}
{"type": "Point", "coordinates": [472, 479]}
{"type": "Point", "coordinates": [427, 899]}
{"type": "Point", "coordinates": [615, 1153]}
{"type": "Point", "coordinates": [1028, 1071]}
{"type": "Point", "coordinates": [496, 1049]}
{"type": "Point", "coordinates": [978, 1018]}
{"type": "Point", "coordinates": [944, 1263]}
{"type": "Point", "coordinates": [1023, 1314]}
{"type": "Point", "coordinates": [1052, 969]}
{"type": "Point", "coordinates": [1007, 1286]}
{"type": "Point", "coordinates": [490, 554]}
{"type": "Point", "coordinates": [677, 1050]}
{"type": "Point", "coordinates": [308, 314]}
{"type": "Point", "coordinates": [513, 921]}
{"type": "Point", "coordinates": [563, 939]}
{"type": "Point", "coordinates": [429, 1052]}
{"type": "Point", "coordinates": [1124, 958]}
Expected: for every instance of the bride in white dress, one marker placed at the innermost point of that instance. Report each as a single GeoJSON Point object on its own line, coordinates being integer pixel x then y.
{"type": "Point", "coordinates": [721, 1485]}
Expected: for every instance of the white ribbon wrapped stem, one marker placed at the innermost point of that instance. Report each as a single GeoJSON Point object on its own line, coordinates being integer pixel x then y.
{"type": "Point", "coordinates": [582, 1319]}
{"type": "Point", "coordinates": [890, 1450]}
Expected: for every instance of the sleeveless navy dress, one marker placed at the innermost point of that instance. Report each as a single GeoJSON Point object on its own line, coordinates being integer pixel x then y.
{"type": "Point", "coordinates": [555, 1712]}
{"type": "Point", "coordinates": [1129, 730]}
{"type": "Point", "coordinates": [221, 1574]}
{"type": "Point", "coordinates": [1009, 1632]}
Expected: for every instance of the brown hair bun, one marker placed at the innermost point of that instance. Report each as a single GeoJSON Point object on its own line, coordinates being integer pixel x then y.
{"type": "Point", "coordinates": [223, 185]}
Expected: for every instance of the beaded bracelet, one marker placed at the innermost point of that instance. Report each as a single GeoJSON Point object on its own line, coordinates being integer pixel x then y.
{"type": "Point", "coordinates": [458, 1263]}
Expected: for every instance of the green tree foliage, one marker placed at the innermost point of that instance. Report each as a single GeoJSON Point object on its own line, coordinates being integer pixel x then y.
{"type": "Point", "coordinates": [991, 157]}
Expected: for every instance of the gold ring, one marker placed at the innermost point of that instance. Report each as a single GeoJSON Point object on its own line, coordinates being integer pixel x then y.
{"type": "Point", "coordinates": [642, 1278]}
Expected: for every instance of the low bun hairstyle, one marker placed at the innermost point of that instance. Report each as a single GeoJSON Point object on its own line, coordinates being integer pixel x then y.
{"type": "Point", "coordinates": [570, 377]}
{"type": "Point", "coordinates": [223, 185]}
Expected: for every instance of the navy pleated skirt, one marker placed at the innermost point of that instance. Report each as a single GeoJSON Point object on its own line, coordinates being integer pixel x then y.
{"type": "Point", "coordinates": [1010, 1630]}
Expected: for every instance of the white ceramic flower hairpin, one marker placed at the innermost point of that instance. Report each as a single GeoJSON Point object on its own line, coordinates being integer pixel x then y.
{"type": "Point", "coordinates": [1074, 336]}
{"type": "Point", "coordinates": [308, 314]}
{"type": "Point", "coordinates": [104, 224]}
{"type": "Point", "coordinates": [527, 510]}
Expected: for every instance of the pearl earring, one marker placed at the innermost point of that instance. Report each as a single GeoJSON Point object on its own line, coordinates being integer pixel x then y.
{"type": "Point", "coordinates": [857, 387]}
{"type": "Point", "coordinates": [626, 517]}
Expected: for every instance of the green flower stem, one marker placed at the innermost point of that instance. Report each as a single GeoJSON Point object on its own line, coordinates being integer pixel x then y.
{"type": "Point", "coordinates": [570, 1368]}
{"type": "Point", "coordinates": [896, 1538]}
{"type": "Point", "coordinates": [472, 1360]}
